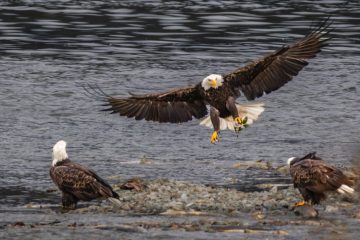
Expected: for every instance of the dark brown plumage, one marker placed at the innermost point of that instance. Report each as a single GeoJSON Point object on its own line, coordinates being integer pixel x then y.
{"type": "Point", "coordinates": [314, 177]}
{"type": "Point", "coordinates": [77, 182]}
{"type": "Point", "coordinates": [175, 106]}
{"type": "Point", "coordinates": [262, 76]}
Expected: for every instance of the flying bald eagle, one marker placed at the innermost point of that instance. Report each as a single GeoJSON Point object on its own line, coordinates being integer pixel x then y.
{"type": "Point", "coordinates": [313, 177]}
{"type": "Point", "coordinates": [77, 182]}
{"type": "Point", "coordinates": [264, 75]}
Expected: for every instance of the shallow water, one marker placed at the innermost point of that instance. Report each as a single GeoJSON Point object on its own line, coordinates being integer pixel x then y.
{"type": "Point", "coordinates": [49, 49]}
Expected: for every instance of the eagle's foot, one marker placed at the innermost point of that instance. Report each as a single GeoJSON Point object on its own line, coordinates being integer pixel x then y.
{"type": "Point", "coordinates": [214, 137]}
{"type": "Point", "coordinates": [299, 204]}
{"type": "Point", "coordinates": [241, 121]}
{"type": "Point", "coordinates": [238, 120]}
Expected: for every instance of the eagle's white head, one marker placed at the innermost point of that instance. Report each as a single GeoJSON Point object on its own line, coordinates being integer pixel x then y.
{"type": "Point", "coordinates": [290, 160]}
{"type": "Point", "coordinates": [212, 81]}
{"type": "Point", "coordinates": [59, 152]}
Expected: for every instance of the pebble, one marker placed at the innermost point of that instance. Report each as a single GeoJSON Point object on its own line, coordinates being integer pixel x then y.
{"type": "Point", "coordinates": [284, 170]}
{"type": "Point", "coordinates": [356, 214]}
{"type": "Point", "coordinates": [331, 209]}
{"type": "Point", "coordinates": [306, 211]}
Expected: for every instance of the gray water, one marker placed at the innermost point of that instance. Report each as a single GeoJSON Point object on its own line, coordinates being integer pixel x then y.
{"type": "Point", "coordinates": [50, 49]}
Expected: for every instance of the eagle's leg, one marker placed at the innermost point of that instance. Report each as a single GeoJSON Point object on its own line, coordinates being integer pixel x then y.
{"type": "Point", "coordinates": [215, 120]}
{"type": "Point", "coordinates": [69, 201]}
{"type": "Point", "coordinates": [306, 194]}
{"type": "Point", "coordinates": [231, 106]}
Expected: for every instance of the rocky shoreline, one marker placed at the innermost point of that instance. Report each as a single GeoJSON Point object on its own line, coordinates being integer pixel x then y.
{"type": "Point", "coordinates": [171, 205]}
{"type": "Point", "coordinates": [167, 196]}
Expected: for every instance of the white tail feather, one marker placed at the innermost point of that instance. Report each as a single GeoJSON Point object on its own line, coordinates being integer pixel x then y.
{"type": "Point", "coordinates": [251, 111]}
{"type": "Point", "coordinates": [343, 189]}
{"type": "Point", "coordinates": [115, 201]}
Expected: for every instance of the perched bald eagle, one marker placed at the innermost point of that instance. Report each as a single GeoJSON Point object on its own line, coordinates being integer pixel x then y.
{"type": "Point", "coordinates": [264, 75]}
{"type": "Point", "coordinates": [77, 182]}
{"type": "Point", "coordinates": [313, 177]}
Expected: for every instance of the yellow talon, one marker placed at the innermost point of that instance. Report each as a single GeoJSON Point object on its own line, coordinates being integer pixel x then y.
{"type": "Point", "coordinates": [241, 121]}
{"type": "Point", "coordinates": [299, 204]}
{"type": "Point", "coordinates": [214, 137]}
{"type": "Point", "coordinates": [238, 120]}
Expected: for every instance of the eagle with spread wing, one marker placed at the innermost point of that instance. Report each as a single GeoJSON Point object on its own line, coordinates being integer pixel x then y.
{"type": "Point", "coordinates": [313, 177]}
{"type": "Point", "coordinates": [220, 92]}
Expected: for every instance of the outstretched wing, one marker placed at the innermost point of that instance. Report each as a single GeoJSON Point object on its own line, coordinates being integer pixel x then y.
{"type": "Point", "coordinates": [274, 70]}
{"type": "Point", "coordinates": [174, 106]}
{"type": "Point", "coordinates": [80, 182]}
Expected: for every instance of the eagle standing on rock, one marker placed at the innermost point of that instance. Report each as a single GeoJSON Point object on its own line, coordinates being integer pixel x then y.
{"type": "Point", "coordinates": [77, 182]}
{"type": "Point", "coordinates": [313, 177]}
{"type": "Point", "coordinates": [220, 91]}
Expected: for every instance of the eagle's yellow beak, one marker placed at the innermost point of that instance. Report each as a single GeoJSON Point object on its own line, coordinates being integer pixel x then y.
{"type": "Point", "coordinates": [213, 83]}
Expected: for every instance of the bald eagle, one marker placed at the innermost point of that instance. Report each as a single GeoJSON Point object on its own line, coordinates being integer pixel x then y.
{"type": "Point", "coordinates": [77, 182]}
{"type": "Point", "coordinates": [260, 77]}
{"type": "Point", "coordinates": [313, 177]}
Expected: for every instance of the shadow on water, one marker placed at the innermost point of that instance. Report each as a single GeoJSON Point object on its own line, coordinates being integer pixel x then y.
{"type": "Point", "coordinates": [20, 196]}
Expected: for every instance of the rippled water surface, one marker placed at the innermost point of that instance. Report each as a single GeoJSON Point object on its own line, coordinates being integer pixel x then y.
{"type": "Point", "coordinates": [49, 49]}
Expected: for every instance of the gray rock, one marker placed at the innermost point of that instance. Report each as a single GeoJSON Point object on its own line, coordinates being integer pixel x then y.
{"type": "Point", "coordinates": [306, 211]}
{"type": "Point", "coordinates": [283, 170]}
{"type": "Point", "coordinates": [331, 209]}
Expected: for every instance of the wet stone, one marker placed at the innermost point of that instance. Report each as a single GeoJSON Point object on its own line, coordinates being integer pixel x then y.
{"type": "Point", "coordinates": [136, 184]}
{"type": "Point", "coordinates": [258, 215]}
{"type": "Point", "coordinates": [18, 224]}
{"type": "Point", "coordinates": [284, 170]}
{"type": "Point", "coordinates": [145, 161]}
{"type": "Point", "coordinates": [356, 215]}
{"type": "Point", "coordinates": [259, 164]}
{"type": "Point", "coordinates": [331, 209]}
{"type": "Point", "coordinates": [73, 225]}
{"type": "Point", "coordinates": [306, 211]}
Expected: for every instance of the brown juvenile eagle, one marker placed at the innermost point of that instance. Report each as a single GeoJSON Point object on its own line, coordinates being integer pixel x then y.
{"type": "Point", "coordinates": [264, 75]}
{"type": "Point", "coordinates": [77, 182]}
{"type": "Point", "coordinates": [313, 177]}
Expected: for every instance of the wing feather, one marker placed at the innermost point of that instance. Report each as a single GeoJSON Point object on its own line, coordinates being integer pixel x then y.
{"type": "Point", "coordinates": [163, 112]}
{"type": "Point", "coordinates": [317, 176]}
{"type": "Point", "coordinates": [198, 110]}
{"type": "Point", "coordinates": [276, 69]}
{"type": "Point", "coordinates": [143, 111]}
{"type": "Point", "coordinates": [174, 106]}
{"type": "Point", "coordinates": [80, 182]}
{"type": "Point", "coordinates": [131, 109]}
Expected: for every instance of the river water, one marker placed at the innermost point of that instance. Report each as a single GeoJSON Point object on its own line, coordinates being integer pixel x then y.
{"type": "Point", "coordinates": [50, 49]}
